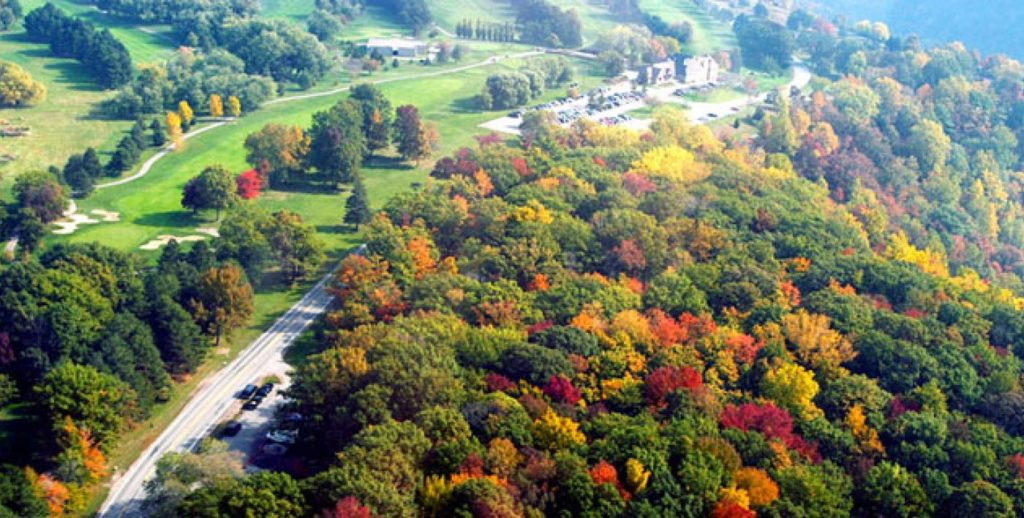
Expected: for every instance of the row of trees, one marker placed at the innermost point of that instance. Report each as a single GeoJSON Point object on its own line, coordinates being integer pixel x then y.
{"type": "Point", "coordinates": [341, 138]}
{"type": "Point", "coordinates": [168, 11]}
{"type": "Point", "coordinates": [98, 50]}
{"type": "Point", "coordinates": [506, 90]}
{"type": "Point", "coordinates": [543, 23]}
{"type": "Point", "coordinates": [487, 31]}
{"type": "Point", "coordinates": [415, 14]}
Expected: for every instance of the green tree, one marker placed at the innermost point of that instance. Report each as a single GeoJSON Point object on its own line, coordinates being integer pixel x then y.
{"type": "Point", "coordinates": [159, 137]}
{"type": "Point", "coordinates": [337, 142]}
{"type": "Point", "coordinates": [98, 402]}
{"type": "Point", "coordinates": [357, 205]}
{"type": "Point", "coordinates": [294, 244]}
{"type": "Point", "coordinates": [214, 188]}
{"type": "Point", "coordinates": [412, 136]}
{"type": "Point", "coordinates": [180, 341]}
{"type": "Point", "coordinates": [17, 497]}
{"type": "Point", "coordinates": [377, 116]}
{"type": "Point", "coordinates": [41, 194]}
{"type": "Point", "coordinates": [890, 490]}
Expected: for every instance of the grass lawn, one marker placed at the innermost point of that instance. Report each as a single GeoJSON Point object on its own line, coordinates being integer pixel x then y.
{"type": "Point", "coordinates": [295, 10]}
{"type": "Point", "coordinates": [709, 34]}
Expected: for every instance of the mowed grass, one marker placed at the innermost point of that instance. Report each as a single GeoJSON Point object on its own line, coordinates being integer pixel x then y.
{"type": "Point", "coordinates": [709, 34]}
{"type": "Point", "coordinates": [67, 121]}
{"type": "Point", "coordinates": [294, 10]}
{"type": "Point", "coordinates": [146, 43]}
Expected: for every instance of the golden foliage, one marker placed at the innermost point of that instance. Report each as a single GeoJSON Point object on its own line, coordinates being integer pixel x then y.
{"type": "Point", "coordinates": [671, 163]}
{"type": "Point", "coordinates": [815, 342]}
{"type": "Point", "coordinates": [760, 487]}
{"type": "Point", "coordinates": [555, 432]}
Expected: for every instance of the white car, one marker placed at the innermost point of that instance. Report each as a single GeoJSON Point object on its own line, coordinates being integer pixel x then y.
{"type": "Point", "coordinates": [283, 436]}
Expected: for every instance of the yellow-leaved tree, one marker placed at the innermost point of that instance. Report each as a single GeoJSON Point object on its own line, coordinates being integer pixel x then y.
{"type": "Point", "coordinates": [815, 342]}
{"type": "Point", "coordinates": [174, 130]}
{"type": "Point", "coordinates": [234, 107]}
{"type": "Point", "coordinates": [216, 106]}
{"type": "Point", "coordinates": [555, 432]}
{"type": "Point", "coordinates": [671, 163]}
{"type": "Point", "coordinates": [185, 110]}
{"type": "Point", "coordinates": [792, 387]}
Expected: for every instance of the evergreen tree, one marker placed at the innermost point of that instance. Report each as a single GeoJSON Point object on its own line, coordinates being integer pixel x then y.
{"type": "Point", "coordinates": [357, 206]}
{"type": "Point", "coordinates": [159, 138]}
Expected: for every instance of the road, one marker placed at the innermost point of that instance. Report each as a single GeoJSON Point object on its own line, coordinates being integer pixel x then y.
{"type": "Point", "coordinates": [214, 397]}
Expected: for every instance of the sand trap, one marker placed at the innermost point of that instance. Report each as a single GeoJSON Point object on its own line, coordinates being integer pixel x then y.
{"type": "Point", "coordinates": [72, 219]}
{"type": "Point", "coordinates": [163, 240]}
{"type": "Point", "coordinates": [210, 231]}
{"type": "Point", "coordinates": [106, 216]}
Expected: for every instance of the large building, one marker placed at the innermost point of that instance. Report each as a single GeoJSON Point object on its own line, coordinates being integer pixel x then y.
{"type": "Point", "coordinates": [397, 47]}
{"type": "Point", "coordinates": [699, 70]}
{"type": "Point", "coordinates": [658, 73]}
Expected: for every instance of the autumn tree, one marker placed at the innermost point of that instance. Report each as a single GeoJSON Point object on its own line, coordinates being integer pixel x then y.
{"type": "Point", "coordinates": [234, 107]}
{"type": "Point", "coordinates": [249, 184]}
{"type": "Point", "coordinates": [186, 113]}
{"type": "Point", "coordinates": [294, 244]}
{"type": "Point", "coordinates": [17, 88]}
{"type": "Point", "coordinates": [377, 116]}
{"type": "Point", "coordinates": [223, 301]}
{"type": "Point", "coordinates": [216, 106]}
{"type": "Point", "coordinates": [175, 131]}
{"type": "Point", "coordinates": [279, 149]}
{"type": "Point", "coordinates": [214, 188]}
{"type": "Point", "coordinates": [412, 137]}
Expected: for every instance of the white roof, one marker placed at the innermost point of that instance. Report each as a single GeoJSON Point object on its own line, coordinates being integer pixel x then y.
{"type": "Point", "coordinates": [395, 43]}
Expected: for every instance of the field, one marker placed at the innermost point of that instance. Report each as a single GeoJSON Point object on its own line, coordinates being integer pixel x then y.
{"type": "Point", "coordinates": [66, 122]}
{"type": "Point", "coordinates": [709, 34]}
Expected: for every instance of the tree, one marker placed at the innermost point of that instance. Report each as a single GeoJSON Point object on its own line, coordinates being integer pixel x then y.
{"type": "Point", "coordinates": [890, 490]}
{"type": "Point", "coordinates": [41, 194]}
{"type": "Point", "coordinates": [278, 148]}
{"type": "Point", "coordinates": [930, 144]}
{"type": "Point", "coordinates": [17, 89]}
{"type": "Point", "coordinates": [337, 142]}
{"type": "Point", "coordinates": [249, 184]}
{"type": "Point", "coordinates": [98, 402]}
{"type": "Point", "coordinates": [223, 301]}
{"type": "Point", "coordinates": [357, 206]}
{"type": "Point", "coordinates": [180, 341]}
{"type": "Point", "coordinates": [214, 188]}
{"type": "Point", "coordinates": [187, 115]}
{"type": "Point", "coordinates": [179, 474]}
{"type": "Point", "coordinates": [17, 495]}
{"type": "Point", "coordinates": [234, 107]}
{"type": "Point", "coordinates": [216, 106]}
{"type": "Point", "coordinates": [159, 138]}
{"type": "Point", "coordinates": [294, 243]}
{"type": "Point", "coordinates": [175, 130]}
{"type": "Point", "coordinates": [377, 115]}
{"type": "Point", "coordinates": [980, 499]}
{"type": "Point", "coordinates": [10, 12]}
{"type": "Point", "coordinates": [412, 137]}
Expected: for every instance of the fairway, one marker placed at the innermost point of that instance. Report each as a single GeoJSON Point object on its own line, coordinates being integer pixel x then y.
{"type": "Point", "coordinates": [709, 34]}
{"type": "Point", "coordinates": [151, 206]}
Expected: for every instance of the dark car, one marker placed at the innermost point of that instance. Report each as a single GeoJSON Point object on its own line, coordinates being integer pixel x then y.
{"type": "Point", "coordinates": [247, 392]}
{"type": "Point", "coordinates": [231, 429]}
{"type": "Point", "coordinates": [252, 403]}
{"type": "Point", "coordinates": [265, 390]}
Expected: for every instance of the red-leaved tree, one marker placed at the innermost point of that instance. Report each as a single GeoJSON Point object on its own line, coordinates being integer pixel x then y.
{"type": "Point", "coordinates": [249, 184]}
{"type": "Point", "coordinates": [559, 388]}
{"type": "Point", "coordinates": [665, 380]}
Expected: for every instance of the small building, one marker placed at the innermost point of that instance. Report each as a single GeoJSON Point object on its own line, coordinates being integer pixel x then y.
{"type": "Point", "coordinates": [699, 70]}
{"type": "Point", "coordinates": [658, 73]}
{"type": "Point", "coordinates": [397, 47]}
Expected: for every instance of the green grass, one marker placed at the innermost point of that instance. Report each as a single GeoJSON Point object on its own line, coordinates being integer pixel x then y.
{"type": "Point", "coordinates": [709, 34]}
{"type": "Point", "coordinates": [295, 10]}
{"type": "Point", "coordinates": [146, 43]}
{"type": "Point", "coordinates": [449, 14]}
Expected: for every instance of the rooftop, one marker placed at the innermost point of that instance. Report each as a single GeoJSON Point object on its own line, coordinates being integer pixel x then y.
{"type": "Point", "coordinates": [394, 42]}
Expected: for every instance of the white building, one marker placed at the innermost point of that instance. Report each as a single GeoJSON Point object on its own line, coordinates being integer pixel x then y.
{"type": "Point", "coordinates": [397, 47]}
{"type": "Point", "coordinates": [699, 70]}
{"type": "Point", "coordinates": [658, 73]}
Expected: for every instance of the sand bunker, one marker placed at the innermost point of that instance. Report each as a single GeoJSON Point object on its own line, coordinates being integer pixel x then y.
{"type": "Point", "coordinates": [72, 219]}
{"type": "Point", "coordinates": [162, 241]}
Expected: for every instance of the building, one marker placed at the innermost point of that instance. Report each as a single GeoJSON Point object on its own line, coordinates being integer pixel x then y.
{"type": "Point", "coordinates": [397, 47]}
{"type": "Point", "coordinates": [699, 70]}
{"type": "Point", "coordinates": [658, 73]}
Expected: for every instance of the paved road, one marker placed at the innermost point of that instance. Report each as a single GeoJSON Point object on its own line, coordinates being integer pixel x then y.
{"type": "Point", "coordinates": [213, 399]}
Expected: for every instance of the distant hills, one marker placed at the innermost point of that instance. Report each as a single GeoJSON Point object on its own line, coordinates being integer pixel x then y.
{"type": "Point", "coordinates": [992, 26]}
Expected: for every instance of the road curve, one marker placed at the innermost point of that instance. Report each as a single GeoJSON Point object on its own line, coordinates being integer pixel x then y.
{"type": "Point", "coordinates": [212, 400]}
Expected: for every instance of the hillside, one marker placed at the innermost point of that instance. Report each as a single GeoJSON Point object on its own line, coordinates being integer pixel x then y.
{"type": "Point", "coordinates": [989, 26]}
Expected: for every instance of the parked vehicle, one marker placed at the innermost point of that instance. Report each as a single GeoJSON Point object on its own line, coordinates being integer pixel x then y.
{"type": "Point", "coordinates": [265, 390]}
{"type": "Point", "coordinates": [247, 392]}
{"type": "Point", "coordinates": [283, 436]}
{"type": "Point", "coordinates": [231, 429]}
{"type": "Point", "coordinates": [253, 403]}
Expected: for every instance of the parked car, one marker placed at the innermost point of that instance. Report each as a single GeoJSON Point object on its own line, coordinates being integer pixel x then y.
{"type": "Point", "coordinates": [265, 390]}
{"type": "Point", "coordinates": [247, 392]}
{"type": "Point", "coordinates": [253, 403]}
{"type": "Point", "coordinates": [283, 436]}
{"type": "Point", "coordinates": [231, 429]}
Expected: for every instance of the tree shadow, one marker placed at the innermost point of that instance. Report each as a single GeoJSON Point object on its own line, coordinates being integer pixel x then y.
{"type": "Point", "coordinates": [465, 105]}
{"type": "Point", "coordinates": [387, 162]}
{"type": "Point", "coordinates": [179, 218]}
{"type": "Point", "coordinates": [308, 187]}
{"type": "Point", "coordinates": [335, 229]}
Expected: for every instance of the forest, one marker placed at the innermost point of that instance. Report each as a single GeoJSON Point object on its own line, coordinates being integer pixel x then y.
{"type": "Point", "coordinates": [814, 309]}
